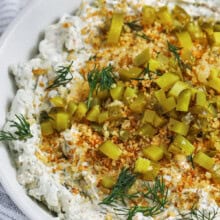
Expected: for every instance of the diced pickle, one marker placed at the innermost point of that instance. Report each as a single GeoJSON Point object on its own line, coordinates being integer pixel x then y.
{"type": "Point", "coordinates": [46, 128]}
{"type": "Point", "coordinates": [93, 114]}
{"type": "Point", "coordinates": [185, 40]}
{"type": "Point", "coordinates": [153, 152]}
{"type": "Point", "coordinates": [177, 88]}
{"type": "Point", "coordinates": [124, 135]}
{"type": "Point", "coordinates": [118, 91]}
{"type": "Point", "coordinates": [116, 28]}
{"type": "Point", "coordinates": [95, 101]}
{"type": "Point", "coordinates": [180, 15]}
{"type": "Point", "coordinates": [138, 104]}
{"type": "Point", "coordinates": [142, 58]}
{"type": "Point", "coordinates": [204, 160]}
{"type": "Point", "coordinates": [62, 121]}
{"type": "Point", "coordinates": [186, 44]}
{"type": "Point", "coordinates": [160, 95]}
{"type": "Point", "coordinates": [201, 99]}
{"type": "Point", "coordinates": [153, 118]}
{"type": "Point", "coordinates": [129, 95]}
{"type": "Point", "coordinates": [53, 111]}
{"type": "Point", "coordinates": [216, 36]}
{"type": "Point", "coordinates": [103, 117]}
{"type": "Point", "coordinates": [132, 73]}
{"type": "Point", "coordinates": [164, 62]}
{"type": "Point", "coordinates": [111, 150]}
{"type": "Point", "coordinates": [148, 15]}
{"type": "Point", "coordinates": [115, 112]}
{"type": "Point", "coordinates": [193, 93]}
{"type": "Point", "coordinates": [179, 150]}
{"type": "Point", "coordinates": [142, 165]}
{"type": "Point", "coordinates": [167, 80]}
{"type": "Point", "coordinates": [108, 182]}
{"type": "Point", "coordinates": [148, 117]}
{"type": "Point", "coordinates": [214, 73]}
{"type": "Point", "coordinates": [146, 131]}
{"type": "Point", "coordinates": [178, 127]}
{"type": "Point", "coordinates": [52, 114]}
{"type": "Point", "coordinates": [57, 101]}
{"type": "Point", "coordinates": [101, 94]}
{"type": "Point", "coordinates": [71, 108]}
{"type": "Point", "coordinates": [215, 84]}
{"type": "Point", "coordinates": [214, 80]}
{"type": "Point", "coordinates": [159, 121]}
{"type": "Point", "coordinates": [196, 32]}
{"type": "Point", "coordinates": [80, 111]}
{"type": "Point", "coordinates": [209, 30]}
{"type": "Point", "coordinates": [175, 149]}
{"type": "Point", "coordinates": [165, 17]}
{"type": "Point", "coordinates": [153, 65]}
{"type": "Point", "coordinates": [216, 176]}
{"type": "Point", "coordinates": [212, 110]}
{"type": "Point", "coordinates": [183, 101]}
{"type": "Point", "coordinates": [181, 145]}
{"type": "Point", "coordinates": [152, 172]}
{"type": "Point", "coordinates": [168, 104]}
{"type": "Point", "coordinates": [167, 154]}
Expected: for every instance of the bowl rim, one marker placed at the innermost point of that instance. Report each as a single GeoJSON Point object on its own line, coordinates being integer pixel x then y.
{"type": "Point", "coordinates": [3, 40]}
{"type": "Point", "coordinates": [12, 26]}
{"type": "Point", "coordinates": [28, 206]}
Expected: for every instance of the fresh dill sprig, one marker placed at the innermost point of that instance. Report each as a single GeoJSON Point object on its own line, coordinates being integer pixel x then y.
{"type": "Point", "coordinates": [145, 210]}
{"type": "Point", "coordinates": [176, 52]}
{"type": "Point", "coordinates": [133, 25]}
{"type": "Point", "coordinates": [23, 128]}
{"type": "Point", "coordinates": [196, 214]}
{"type": "Point", "coordinates": [100, 80]}
{"type": "Point", "coordinates": [144, 36]}
{"type": "Point", "coordinates": [7, 136]}
{"type": "Point", "coordinates": [145, 72]}
{"type": "Point", "coordinates": [93, 82]}
{"type": "Point", "coordinates": [203, 214]}
{"type": "Point", "coordinates": [157, 193]}
{"type": "Point", "coordinates": [119, 192]}
{"type": "Point", "coordinates": [64, 76]}
{"type": "Point", "coordinates": [23, 131]}
{"type": "Point", "coordinates": [148, 72]}
{"type": "Point", "coordinates": [137, 28]}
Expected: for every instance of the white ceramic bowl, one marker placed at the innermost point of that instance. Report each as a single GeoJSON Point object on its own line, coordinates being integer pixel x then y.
{"type": "Point", "coordinates": [18, 44]}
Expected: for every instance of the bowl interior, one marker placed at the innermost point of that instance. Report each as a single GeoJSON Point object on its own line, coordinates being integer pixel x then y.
{"type": "Point", "coordinates": [18, 44]}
